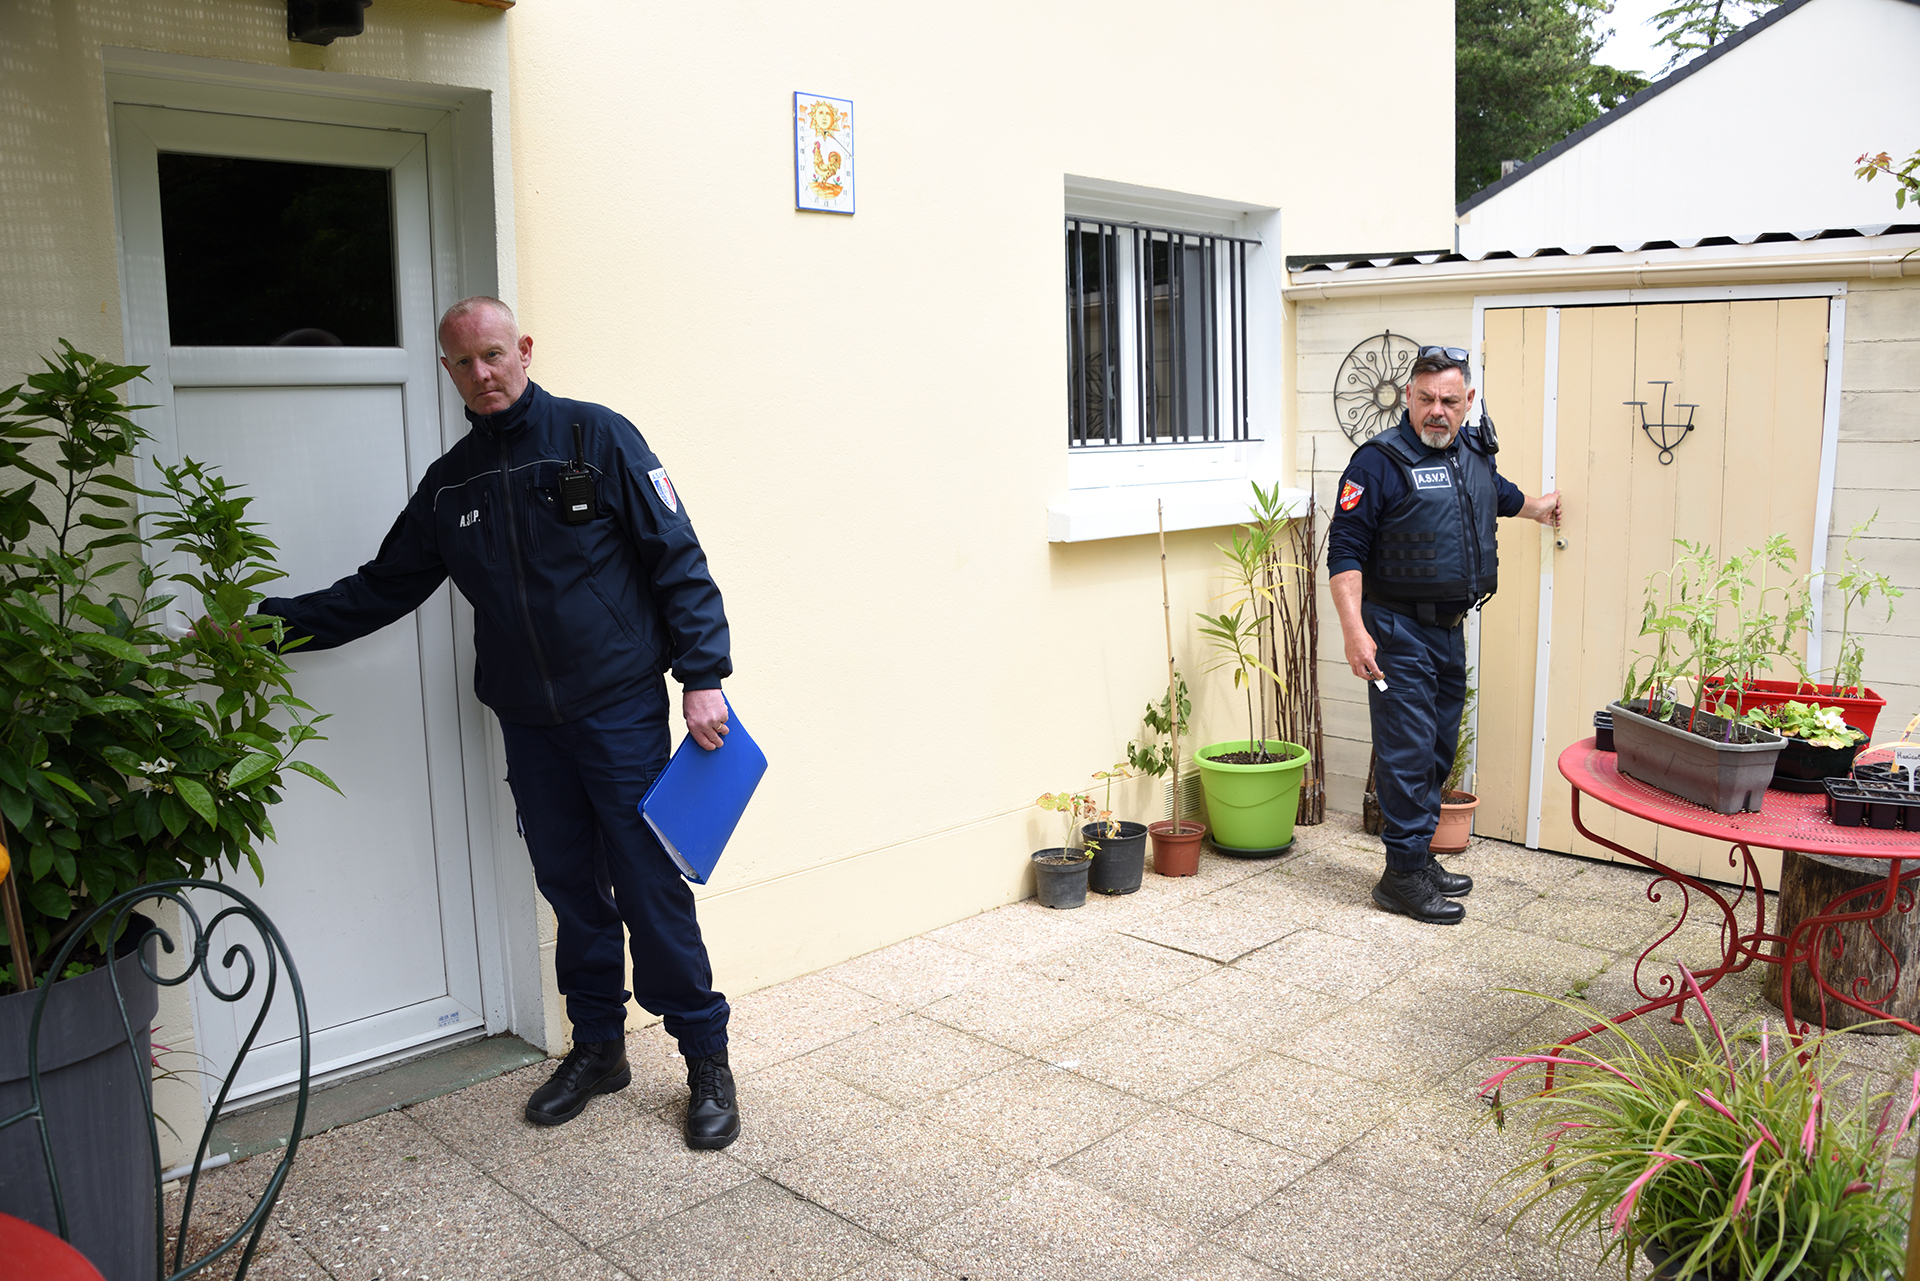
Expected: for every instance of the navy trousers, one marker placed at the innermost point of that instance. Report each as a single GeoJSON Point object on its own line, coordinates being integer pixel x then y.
{"type": "Point", "coordinates": [578, 788]}
{"type": "Point", "coordinates": [1416, 726]}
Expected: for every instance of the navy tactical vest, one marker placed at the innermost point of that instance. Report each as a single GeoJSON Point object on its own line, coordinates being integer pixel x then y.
{"type": "Point", "coordinates": [1438, 543]}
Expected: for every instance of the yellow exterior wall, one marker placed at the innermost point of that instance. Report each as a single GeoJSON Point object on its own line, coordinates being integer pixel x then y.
{"type": "Point", "coordinates": [866, 414]}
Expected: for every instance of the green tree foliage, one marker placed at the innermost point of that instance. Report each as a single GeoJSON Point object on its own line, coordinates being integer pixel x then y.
{"type": "Point", "coordinates": [1695, 26]}
{"type": "Point", "coordinates": [1524, 78]}
{"type": "Point", "coordinates": [1905, 175]}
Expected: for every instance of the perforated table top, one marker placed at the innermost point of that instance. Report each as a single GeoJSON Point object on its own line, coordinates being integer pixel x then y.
{"type": "Point", "coordinates": [1786, 821]}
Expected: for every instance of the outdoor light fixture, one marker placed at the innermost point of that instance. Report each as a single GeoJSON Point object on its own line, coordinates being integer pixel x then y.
{"type": "Point", "coordinates": [324, 21]}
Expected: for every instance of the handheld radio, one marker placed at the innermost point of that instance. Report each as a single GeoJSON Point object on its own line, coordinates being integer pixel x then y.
{"type": "Point", "coordinates": [576, 486]}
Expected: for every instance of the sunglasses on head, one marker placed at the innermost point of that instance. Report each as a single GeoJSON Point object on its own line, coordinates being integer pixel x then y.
{"type": "Point", "coordinates": [1455, 354]}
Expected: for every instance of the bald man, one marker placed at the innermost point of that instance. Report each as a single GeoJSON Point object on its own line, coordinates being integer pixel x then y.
{"type": "Point", "coordinates": [562, 529]}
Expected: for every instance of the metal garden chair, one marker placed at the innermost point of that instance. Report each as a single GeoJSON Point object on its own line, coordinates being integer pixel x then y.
{"type": "Point", "coordinates": [84, 1212]}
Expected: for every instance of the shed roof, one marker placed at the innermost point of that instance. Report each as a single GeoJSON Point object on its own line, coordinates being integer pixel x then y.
{"type": "Point", "coordinates": [1301, 264]}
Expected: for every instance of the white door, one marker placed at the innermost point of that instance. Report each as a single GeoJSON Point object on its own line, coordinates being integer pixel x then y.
{"type": "Point", "coordinates": [279, 282]}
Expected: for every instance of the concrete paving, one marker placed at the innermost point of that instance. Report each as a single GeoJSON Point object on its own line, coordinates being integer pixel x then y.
{"type": "Point", "coordinates": [1251, 1074]}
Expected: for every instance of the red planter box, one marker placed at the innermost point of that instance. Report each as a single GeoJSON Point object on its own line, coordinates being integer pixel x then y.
{"type": "Point", "coordinates": [1859, 712]}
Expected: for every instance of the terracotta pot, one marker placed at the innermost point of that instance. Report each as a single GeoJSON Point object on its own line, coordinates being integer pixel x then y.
{"type": "Point", "coordinates": [1176, 853]}
{"type": "Point", "coordinates": [1455, 827]}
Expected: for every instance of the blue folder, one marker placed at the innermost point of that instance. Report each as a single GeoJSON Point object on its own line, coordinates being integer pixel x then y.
{"type": "Point", "coordinates": [699, 797]}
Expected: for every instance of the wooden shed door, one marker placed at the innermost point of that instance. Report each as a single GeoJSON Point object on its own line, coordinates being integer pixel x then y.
{"type": "Point", "coordinates": [1756, 370]}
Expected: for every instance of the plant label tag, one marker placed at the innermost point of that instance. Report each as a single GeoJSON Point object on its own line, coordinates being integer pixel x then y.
{"type": "Point", "coordinates": [1906, 756]}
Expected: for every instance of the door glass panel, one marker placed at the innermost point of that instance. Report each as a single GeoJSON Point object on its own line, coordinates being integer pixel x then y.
{"type": "Point", "coordinates": [271, 253]}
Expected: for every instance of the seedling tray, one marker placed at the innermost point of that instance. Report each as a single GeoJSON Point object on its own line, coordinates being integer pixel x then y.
{"type": "Point", "coordinates": [1859, 802]}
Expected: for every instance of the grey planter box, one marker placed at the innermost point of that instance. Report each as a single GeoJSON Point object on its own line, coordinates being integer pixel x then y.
{"type": "Point", "coordinates": [1727, 778]}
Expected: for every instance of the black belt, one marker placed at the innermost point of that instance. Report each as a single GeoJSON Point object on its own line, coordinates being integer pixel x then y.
{"type": "Point", "coordinates": [1421, 612]}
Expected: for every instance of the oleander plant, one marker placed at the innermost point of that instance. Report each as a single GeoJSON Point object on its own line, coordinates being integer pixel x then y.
{"type": "Point", "coordinates": [131, 750]}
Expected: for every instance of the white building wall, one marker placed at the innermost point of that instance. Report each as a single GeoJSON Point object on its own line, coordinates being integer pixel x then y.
{"type": "Point", "coordinates": [1761, 139]}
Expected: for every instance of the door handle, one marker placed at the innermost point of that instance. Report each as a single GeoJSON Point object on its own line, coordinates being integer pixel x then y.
{"type": "Point", "coordinates": [1560, 542]}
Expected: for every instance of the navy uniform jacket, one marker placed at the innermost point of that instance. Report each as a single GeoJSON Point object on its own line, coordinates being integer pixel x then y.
{"type": "Point", "coordinates": [568, 619]}
{"type": "Point", "coordinates": [1369, 488]}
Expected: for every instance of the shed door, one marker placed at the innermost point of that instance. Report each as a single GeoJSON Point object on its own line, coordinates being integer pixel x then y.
{"type": "Point", "coordinates": [1756, 372]}
{"type": "Point", "coordinates": [279, 277]}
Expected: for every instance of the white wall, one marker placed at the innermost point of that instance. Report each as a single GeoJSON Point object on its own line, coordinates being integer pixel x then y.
{"type": "Point", "coordinates": [1761, 139]}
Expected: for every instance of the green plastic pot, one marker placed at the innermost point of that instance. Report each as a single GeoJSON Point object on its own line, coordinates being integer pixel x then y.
{"type": "Point", "coordinates": [1251, 808]}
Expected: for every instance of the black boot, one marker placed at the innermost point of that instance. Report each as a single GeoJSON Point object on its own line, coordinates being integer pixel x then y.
{"type": "Point", "coordinates": [713, 1111]}
{"type": "Point", "coordinates": [1414, 894]}
{"type": "Point", "coordinates": [1451, 884]}
{"type": "Point", "coordinates": [598, 1068]}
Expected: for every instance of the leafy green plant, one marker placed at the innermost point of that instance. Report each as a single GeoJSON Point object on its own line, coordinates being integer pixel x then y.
{"type": "Point", "coordinates": [1819, 726]}
{"type": "Point", "coordinates": [1077, 808]}
{"type": "Point", "coordinates": [1714, 620]}
{"type": "Point", "coordinates": [127, 754]}
{"type": "Point", "coordinates": [1463, 750]}
{"type": "Point", "coordinates": [1857, 589]}
{"type": "Point", "coordinates": [1735, 1162]}
{"type": "Point", "coordinates": [1155, 756]}
{"type": "Point", "coordinates": [1238, 640]}
{"type": "Point", "coordinates": [1906, 178]}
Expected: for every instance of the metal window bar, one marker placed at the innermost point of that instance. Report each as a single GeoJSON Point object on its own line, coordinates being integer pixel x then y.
{"type": "Point", "coordinates": [1184, 292]}
{"type": "Point", "coordinates": [1093, 333]}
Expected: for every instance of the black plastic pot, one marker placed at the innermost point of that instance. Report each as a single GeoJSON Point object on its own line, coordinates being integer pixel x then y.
{"type": "Point", "coordinates": [1121, 860]}
{"type": "Point", "coordinates": [1802, 767]}
{"type": "Point", "coordinates": [1603, 731]}
{"type": "Point", "coordinates": [96, 1116]}
{"type": "Point", "coordinates": [1060, 877]}
{"type": "Point", "coordinates": [1725, 777]}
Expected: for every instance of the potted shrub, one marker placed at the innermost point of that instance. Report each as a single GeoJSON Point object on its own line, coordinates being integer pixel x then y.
{"type": "Point", "coordinates": [1711, 620]}
{"type": "Point", "coordinates": [1252, 785]}
{"type": "Point", "coordinates": [1176, 842]}
{"type": "Point", "coordinates": [1060, 872]}
{"type": "Point", "coordinates": [1457, 805]}
{"type": "Point", "coordinates": [127, 755]}
{"type": "Point", "coordinates": [1120, 847]}
{"type": "Point", "coordinates": [1724, 1161]}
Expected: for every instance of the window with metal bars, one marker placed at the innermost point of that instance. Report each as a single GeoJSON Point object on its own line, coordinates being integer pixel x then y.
{"type": "Point", "coordinates": [1156, 335]}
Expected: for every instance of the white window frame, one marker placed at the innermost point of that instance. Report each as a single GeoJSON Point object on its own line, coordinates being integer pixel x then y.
{"type": "Point", "coordinates": [1114, 491]}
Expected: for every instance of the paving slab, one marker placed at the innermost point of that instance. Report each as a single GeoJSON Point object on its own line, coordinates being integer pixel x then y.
{"type": "Point", "coordinates": [757, 1229]}
{"type": "Point", "coordinates": [1049, 1226]}
{"type": "Point", "coordinates": [1330, 1225]}
{"type": "Point", "coordinates": [1026, 1012]}
{"type": "Point", "coordinates": [1119, 967]}
{"type": "Point", "coordinates": [789, 1109]}
{"type": "Point", "coordinates": [916, 972]}
{"type": "Point", "coordinates": [1150, 1055]}
{"type": "Point", "coordinates": [1036, 1111]}
{"type": "Point", "coordinates": [900, 1177]}
{"type": "Point", "coordinates": [1186, 1170]}
{"type": "Point", "coordinates": [909, 1060]}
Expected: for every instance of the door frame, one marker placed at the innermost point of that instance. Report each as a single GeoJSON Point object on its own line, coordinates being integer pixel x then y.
{"type": "Point", "coordinates": [1836, 294]}
{"type": "Point", "coordinates": [470, 215]}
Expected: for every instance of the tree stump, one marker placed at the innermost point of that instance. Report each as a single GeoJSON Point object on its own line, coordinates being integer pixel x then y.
{"type": "Point", "coordinates": [1806, 886]}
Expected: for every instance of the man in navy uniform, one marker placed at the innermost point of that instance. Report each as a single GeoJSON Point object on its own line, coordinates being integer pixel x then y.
{"type": "Point", "coordinates": [1411, 551]}
{"type": "Point", "coordinates": [579, 606]}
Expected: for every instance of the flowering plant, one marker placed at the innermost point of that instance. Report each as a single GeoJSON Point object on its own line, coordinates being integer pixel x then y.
{"type": "Point", "coordinates": [1731, 1162]}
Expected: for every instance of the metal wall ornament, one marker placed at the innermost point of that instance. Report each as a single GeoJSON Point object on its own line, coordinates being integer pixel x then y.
{"type": "Point", "coordinates": [1663, 442]}
{"type": "Point", "coordinates": [1370, 389]}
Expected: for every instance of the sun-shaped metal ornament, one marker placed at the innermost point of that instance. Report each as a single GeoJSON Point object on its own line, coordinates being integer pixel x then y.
{"type": "Point", "coordinates": [1370, 390]}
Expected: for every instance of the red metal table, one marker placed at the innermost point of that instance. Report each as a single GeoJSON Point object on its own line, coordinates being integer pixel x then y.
{"type": "Point", "coordinates": [1786, 821]}
{"type": "Point", "coordinates": [28, 1253]}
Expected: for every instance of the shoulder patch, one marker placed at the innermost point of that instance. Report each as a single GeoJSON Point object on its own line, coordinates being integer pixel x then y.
{"type": "Point", "coordinates": [1350, 496]}
{"type": "Point", "coordinates": [664, 487]}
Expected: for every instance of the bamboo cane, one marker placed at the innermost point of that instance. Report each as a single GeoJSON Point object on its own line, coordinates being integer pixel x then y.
{"type": "Point", "coordinates": [1173, 699]}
